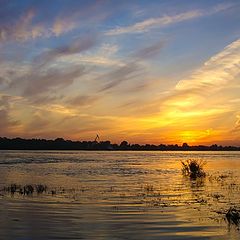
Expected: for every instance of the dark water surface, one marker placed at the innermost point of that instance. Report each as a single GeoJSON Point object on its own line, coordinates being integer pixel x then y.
{"type": "Point", "coordinates": [118, 195]}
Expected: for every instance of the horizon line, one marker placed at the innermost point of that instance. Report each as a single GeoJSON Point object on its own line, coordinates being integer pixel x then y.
{"type": "Point", "coordinates": [185, 144]}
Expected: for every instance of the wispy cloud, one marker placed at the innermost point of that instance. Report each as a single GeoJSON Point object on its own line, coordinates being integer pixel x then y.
{"type": "Point", "coordinates": [11, 72]}
{"type": "Point", "coordinates": [82, 100]}
{"type": "Point", "coordinates": [27, 28]}
{"type": "Point", "coordinates": [77, 46]}
{"type": "Point", "coordinates": [149, 51]}
{"type": "Point", "coordinates": [193, 95]}
{"type": "Point", "coordinates": [133, 68]}
{"type": "Point", "coordinates": [40, 82]}
{"type": "Point", "coordinates": [217, 72]}
{"type": "Point", "coordinates": [37, 21]}
{"type": "Point", "coordinates": [8, 124]}
{"type": "Point", "coordinates": [45, 73]}
{"type": "Point", "coordinates": [237, 124]}
{"type": "Point", "coordinates": [153, 23]}
{"type": "Point", "coordinates": [103, 56]}
{"type": "Point", "coordinates": [114, 78]}
{"type": "Point", "coordinates": [146, 25]}
{"type": "Point", "coordinates": [61, 26]}
{"type": "Point", "coordinates": [23, 29]}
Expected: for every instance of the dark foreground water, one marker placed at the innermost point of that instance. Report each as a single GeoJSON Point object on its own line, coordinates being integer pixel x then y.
{"type": "Point", "coordinates": [118, 195]}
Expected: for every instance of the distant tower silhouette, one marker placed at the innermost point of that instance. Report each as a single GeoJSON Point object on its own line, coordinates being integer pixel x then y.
{"type": "Point", "coordinates": [97, 138]}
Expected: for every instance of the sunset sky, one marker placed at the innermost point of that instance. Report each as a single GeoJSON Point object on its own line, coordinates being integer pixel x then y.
{"type": "Point", "coordinates": [165, 71]}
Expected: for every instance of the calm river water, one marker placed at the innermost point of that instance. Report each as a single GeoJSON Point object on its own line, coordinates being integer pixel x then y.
{"type": "Point", "coordinates": [118, 195]}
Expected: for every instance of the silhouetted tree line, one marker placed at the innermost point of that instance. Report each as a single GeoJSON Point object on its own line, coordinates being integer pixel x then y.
{"type": "Point", "coordinates": [61, 144]}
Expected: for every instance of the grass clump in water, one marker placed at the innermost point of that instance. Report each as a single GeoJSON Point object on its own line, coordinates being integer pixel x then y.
{"type": "Point", "coordinates": [11, 189]}
{"type": "Point", "coordinates": [26, 189]}
{"type": "Point", "coordinates": [233, 216]}
{"type": "Point", "coordinates": [40, 188]}
{"type": "Point", "coordinates": [149, 188]}
{"type": "Point", "coordinates": [193, 168]}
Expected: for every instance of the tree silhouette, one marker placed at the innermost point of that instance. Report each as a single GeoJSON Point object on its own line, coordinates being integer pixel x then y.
{"type": "Point", "coordinates": [61, 144]}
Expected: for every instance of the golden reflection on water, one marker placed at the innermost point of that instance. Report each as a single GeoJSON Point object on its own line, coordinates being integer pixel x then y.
{"type": "Point", "coordinates": [101, 195]}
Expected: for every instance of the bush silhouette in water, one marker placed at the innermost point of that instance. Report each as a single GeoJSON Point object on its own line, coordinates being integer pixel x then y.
{"type": "Point", "coordinates": [193, 168]}
{"type": "Point", "coordinates": [233, 216]}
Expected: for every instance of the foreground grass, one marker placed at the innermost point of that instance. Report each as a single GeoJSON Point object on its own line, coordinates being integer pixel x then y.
{"type": "Point", "coordinates": [233, 216]}
{"type": "Point", "coordinates": [26, 189]}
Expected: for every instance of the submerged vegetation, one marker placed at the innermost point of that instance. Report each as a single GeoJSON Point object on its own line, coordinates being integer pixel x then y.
{"type": "Point", "coordinates": [193, 168]}
{"type": "Point", "coordinates": [233, 216]}
{"type": "Point", "coordinates": [150, 195]}
{"type": "Point", "coordinates": [216, 201]}
{"type": "Point", "coordinates": [28, 189]}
